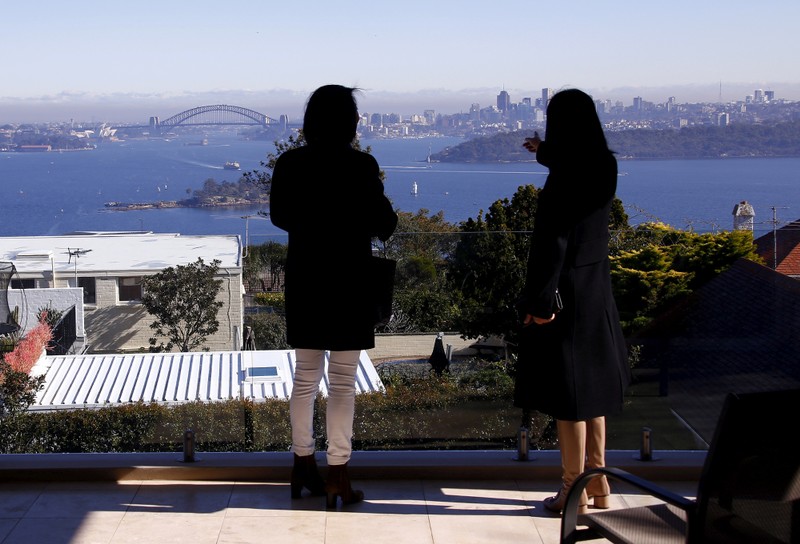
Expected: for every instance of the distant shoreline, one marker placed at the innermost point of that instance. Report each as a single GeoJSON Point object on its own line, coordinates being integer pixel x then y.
{"type": "Point", "coordinates": [171, 204]}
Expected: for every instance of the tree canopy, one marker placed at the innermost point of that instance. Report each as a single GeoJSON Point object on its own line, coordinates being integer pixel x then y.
{"type": "Point", "coordinates": [657, 264]}
{"type": "Point", "coordinates": [183, 300]}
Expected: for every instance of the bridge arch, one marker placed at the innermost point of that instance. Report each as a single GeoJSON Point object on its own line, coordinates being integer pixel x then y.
{"type": "Point", "coordinates": [218, 114]}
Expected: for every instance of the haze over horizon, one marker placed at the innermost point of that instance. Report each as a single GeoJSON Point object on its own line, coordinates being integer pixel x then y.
{"type": "Point", "coordinates": [99, 61]}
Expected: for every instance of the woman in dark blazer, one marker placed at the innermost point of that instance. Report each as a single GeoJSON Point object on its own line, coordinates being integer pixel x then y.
{"type": "Point", "coordinates": [573, 359]}
{"type": "Point", "coordinates": [329, 198]}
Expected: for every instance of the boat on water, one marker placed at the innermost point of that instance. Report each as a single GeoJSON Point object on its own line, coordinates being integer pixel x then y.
{"type": "Point", "coordinates": [414, 189]}
{"type": "Point", "coordinates": [232, 165]}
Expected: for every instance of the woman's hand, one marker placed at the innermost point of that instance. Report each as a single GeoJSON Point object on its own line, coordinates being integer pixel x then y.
{"type": "Point", "coordinates": [532, 144]}
{"type": "Point", "coordinates": [533, 320]}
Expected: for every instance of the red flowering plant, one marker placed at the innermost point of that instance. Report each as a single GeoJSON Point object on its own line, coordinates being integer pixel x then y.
{"type": "Point", "coordinates": [17, 388]}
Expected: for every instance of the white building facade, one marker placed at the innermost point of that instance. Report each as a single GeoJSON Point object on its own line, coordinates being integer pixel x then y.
{"type": "Point", "coordinates": [107, 268]}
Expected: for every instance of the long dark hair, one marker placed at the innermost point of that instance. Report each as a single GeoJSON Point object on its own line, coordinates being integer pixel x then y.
{"type": "Point", "coordinates": [573, 124]}
{"type": "Point", "coordinates": [331, 115]}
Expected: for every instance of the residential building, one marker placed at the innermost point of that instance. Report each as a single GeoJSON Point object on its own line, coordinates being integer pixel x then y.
{"type": "Point", "coordinates": [100, 274]}
{"type": "Point", "coordinates": [737, 333]}
{"type": "Point", "coordinates": [780, 249]}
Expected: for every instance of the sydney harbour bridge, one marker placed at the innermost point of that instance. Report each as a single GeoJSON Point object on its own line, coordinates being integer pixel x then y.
{"type": "Point", "coordinates": [218, 114]}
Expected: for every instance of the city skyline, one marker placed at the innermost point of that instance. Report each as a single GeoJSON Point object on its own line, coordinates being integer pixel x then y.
{"type": "Point", "coordinates": [123, 62]}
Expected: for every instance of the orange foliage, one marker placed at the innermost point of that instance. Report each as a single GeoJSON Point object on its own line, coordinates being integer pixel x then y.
{"type": "Point", "coordinates": [30, 348]}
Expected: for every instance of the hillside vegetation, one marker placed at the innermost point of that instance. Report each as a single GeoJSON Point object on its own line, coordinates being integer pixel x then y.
{"type": "Point", "coordinates": [711, 142]}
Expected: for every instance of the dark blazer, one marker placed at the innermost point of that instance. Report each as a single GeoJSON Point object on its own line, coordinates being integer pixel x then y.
{"type": "Point", "coordinates": [575, 367]}
{"type": "Point", "coordinates": [330, 200]}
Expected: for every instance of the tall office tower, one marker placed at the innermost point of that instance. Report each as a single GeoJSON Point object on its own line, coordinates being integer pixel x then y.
{"type": "Point", "coordinates": [723, 119]}
{"type": "Point", "coordinates": [600, 106]}
{"type": "Point", "coordinates": [503, 101]}
{"type": "Point", "coordinates": [769, 96]}
{"type": "Point", "coordinates": [758, 96]}
{"type": "Point", "coordinates": [547, 94]}
{"type": "Point", "coordinates": [637, 103]}
{"type": "Point", "coordinates": [430, 116]}
{"type": "Point", "coordinates": [527, 101]}
{"type": "Point", "coordinates": [671, 103]}
{"type": "Point", "coordinates": [475, 112]}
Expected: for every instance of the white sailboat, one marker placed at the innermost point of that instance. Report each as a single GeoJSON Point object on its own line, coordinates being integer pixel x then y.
{"type": "Point", "coordinates": [414, 190]}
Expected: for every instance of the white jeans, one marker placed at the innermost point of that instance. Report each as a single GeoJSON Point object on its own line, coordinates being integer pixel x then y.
{"type": "Point", "coordinates": [308, 373]}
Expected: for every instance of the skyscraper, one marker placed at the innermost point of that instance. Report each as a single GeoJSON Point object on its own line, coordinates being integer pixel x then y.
{"type": "Point", "coordinates": [547, 94]}
{"type": "Point", "coordinates": [475, 112]}
{"type": "Point", "coordinates": [503, 101]}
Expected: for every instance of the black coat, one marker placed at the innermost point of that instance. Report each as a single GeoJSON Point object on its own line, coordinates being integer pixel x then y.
{"type": "Point", "coordinates": [575, 367]}
{"type": "Point", "coordinates": [331, 202]}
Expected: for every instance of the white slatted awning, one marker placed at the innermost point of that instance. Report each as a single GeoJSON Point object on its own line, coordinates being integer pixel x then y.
{"type": "Point", "coordinates": [101, 380]}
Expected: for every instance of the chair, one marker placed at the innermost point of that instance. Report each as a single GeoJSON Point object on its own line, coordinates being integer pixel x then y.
{"type": "Point", "coordinates": [749, 488]}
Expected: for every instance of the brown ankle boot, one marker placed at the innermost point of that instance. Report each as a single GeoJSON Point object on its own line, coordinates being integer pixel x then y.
{"type": "Point", "coordinates": [305, 474]}
{"type": "Point", "coordinates": [339, 486]}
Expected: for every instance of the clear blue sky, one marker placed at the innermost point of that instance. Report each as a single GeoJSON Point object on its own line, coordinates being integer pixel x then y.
{"type": "Point", "coordinates": [410, 54]}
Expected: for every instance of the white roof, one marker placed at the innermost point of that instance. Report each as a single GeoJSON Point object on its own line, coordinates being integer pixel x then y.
{"type": "Point", "coordinates": [109, 252]}
{"type": "Point", "coordinates": [102, 380]}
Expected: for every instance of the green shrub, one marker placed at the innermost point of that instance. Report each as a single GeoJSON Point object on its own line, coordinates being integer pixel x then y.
{"type": "Point", "coordinates": [269, 330]}
{"type": "Point", "coordinates": [471, 407]}
{"type": "Point", "coordinates": [274, 299]}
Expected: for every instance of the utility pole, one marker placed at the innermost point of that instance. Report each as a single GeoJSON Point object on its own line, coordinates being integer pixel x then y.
{"type": "Point", "coordinates": [247, 219]}
{"type": "Point", "coordinates": [76, 252]}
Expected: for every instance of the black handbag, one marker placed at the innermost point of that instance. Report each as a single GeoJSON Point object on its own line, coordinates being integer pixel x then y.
{"type": "Point", "coordinates": [381, 282]}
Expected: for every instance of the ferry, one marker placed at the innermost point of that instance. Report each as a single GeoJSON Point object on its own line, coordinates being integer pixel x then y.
{"type": "Point", "coordinates": [231, 165]}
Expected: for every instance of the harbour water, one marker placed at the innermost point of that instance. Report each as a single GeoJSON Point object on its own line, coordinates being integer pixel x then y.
{"type": "Point", "coordinates": [56, 193]}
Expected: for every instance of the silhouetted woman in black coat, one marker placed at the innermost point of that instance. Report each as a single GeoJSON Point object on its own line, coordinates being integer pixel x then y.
{"type": "Point", "coordinates": [573, 361]}
{"type": "Point", "coordinates": [329, 198]}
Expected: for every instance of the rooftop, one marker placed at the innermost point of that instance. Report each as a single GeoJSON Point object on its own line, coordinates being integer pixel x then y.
{"type": "Point", "coordinates": [106, 252]}
{"type": "Point", "coordinates": [781, 249]}
{"type": "Point", "coordinates": [101, 380]}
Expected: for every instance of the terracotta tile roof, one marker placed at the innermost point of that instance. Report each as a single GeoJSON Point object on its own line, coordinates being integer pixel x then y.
{"type": "Point", "coordinates": [786, 241]}
{"type": "Point", "coordinates": [739, 332]}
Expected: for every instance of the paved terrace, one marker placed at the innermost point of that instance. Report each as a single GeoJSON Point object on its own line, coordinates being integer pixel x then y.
{"type": "Point", "coordinates": [419, 497]}
{"type": "Point", "coordinates": [456, 497]}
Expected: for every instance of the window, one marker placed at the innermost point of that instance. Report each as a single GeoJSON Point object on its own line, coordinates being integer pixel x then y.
{"type": "Point", "coordinates": [130, 289]}
{"type": "Point", "coordinates": [89, 294]}
{"type": "Point", "coordinates": [89, 289]}
{"type": "Point", "coordinates": [23, 284]}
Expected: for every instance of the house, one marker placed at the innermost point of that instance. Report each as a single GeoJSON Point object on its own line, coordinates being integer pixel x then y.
{"type": "Point", "coordinates": [780, 249]}
{"type": "Point", "coordinates": [736, 333]}
{"type": "Point", "coordinates": [98, 274]}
